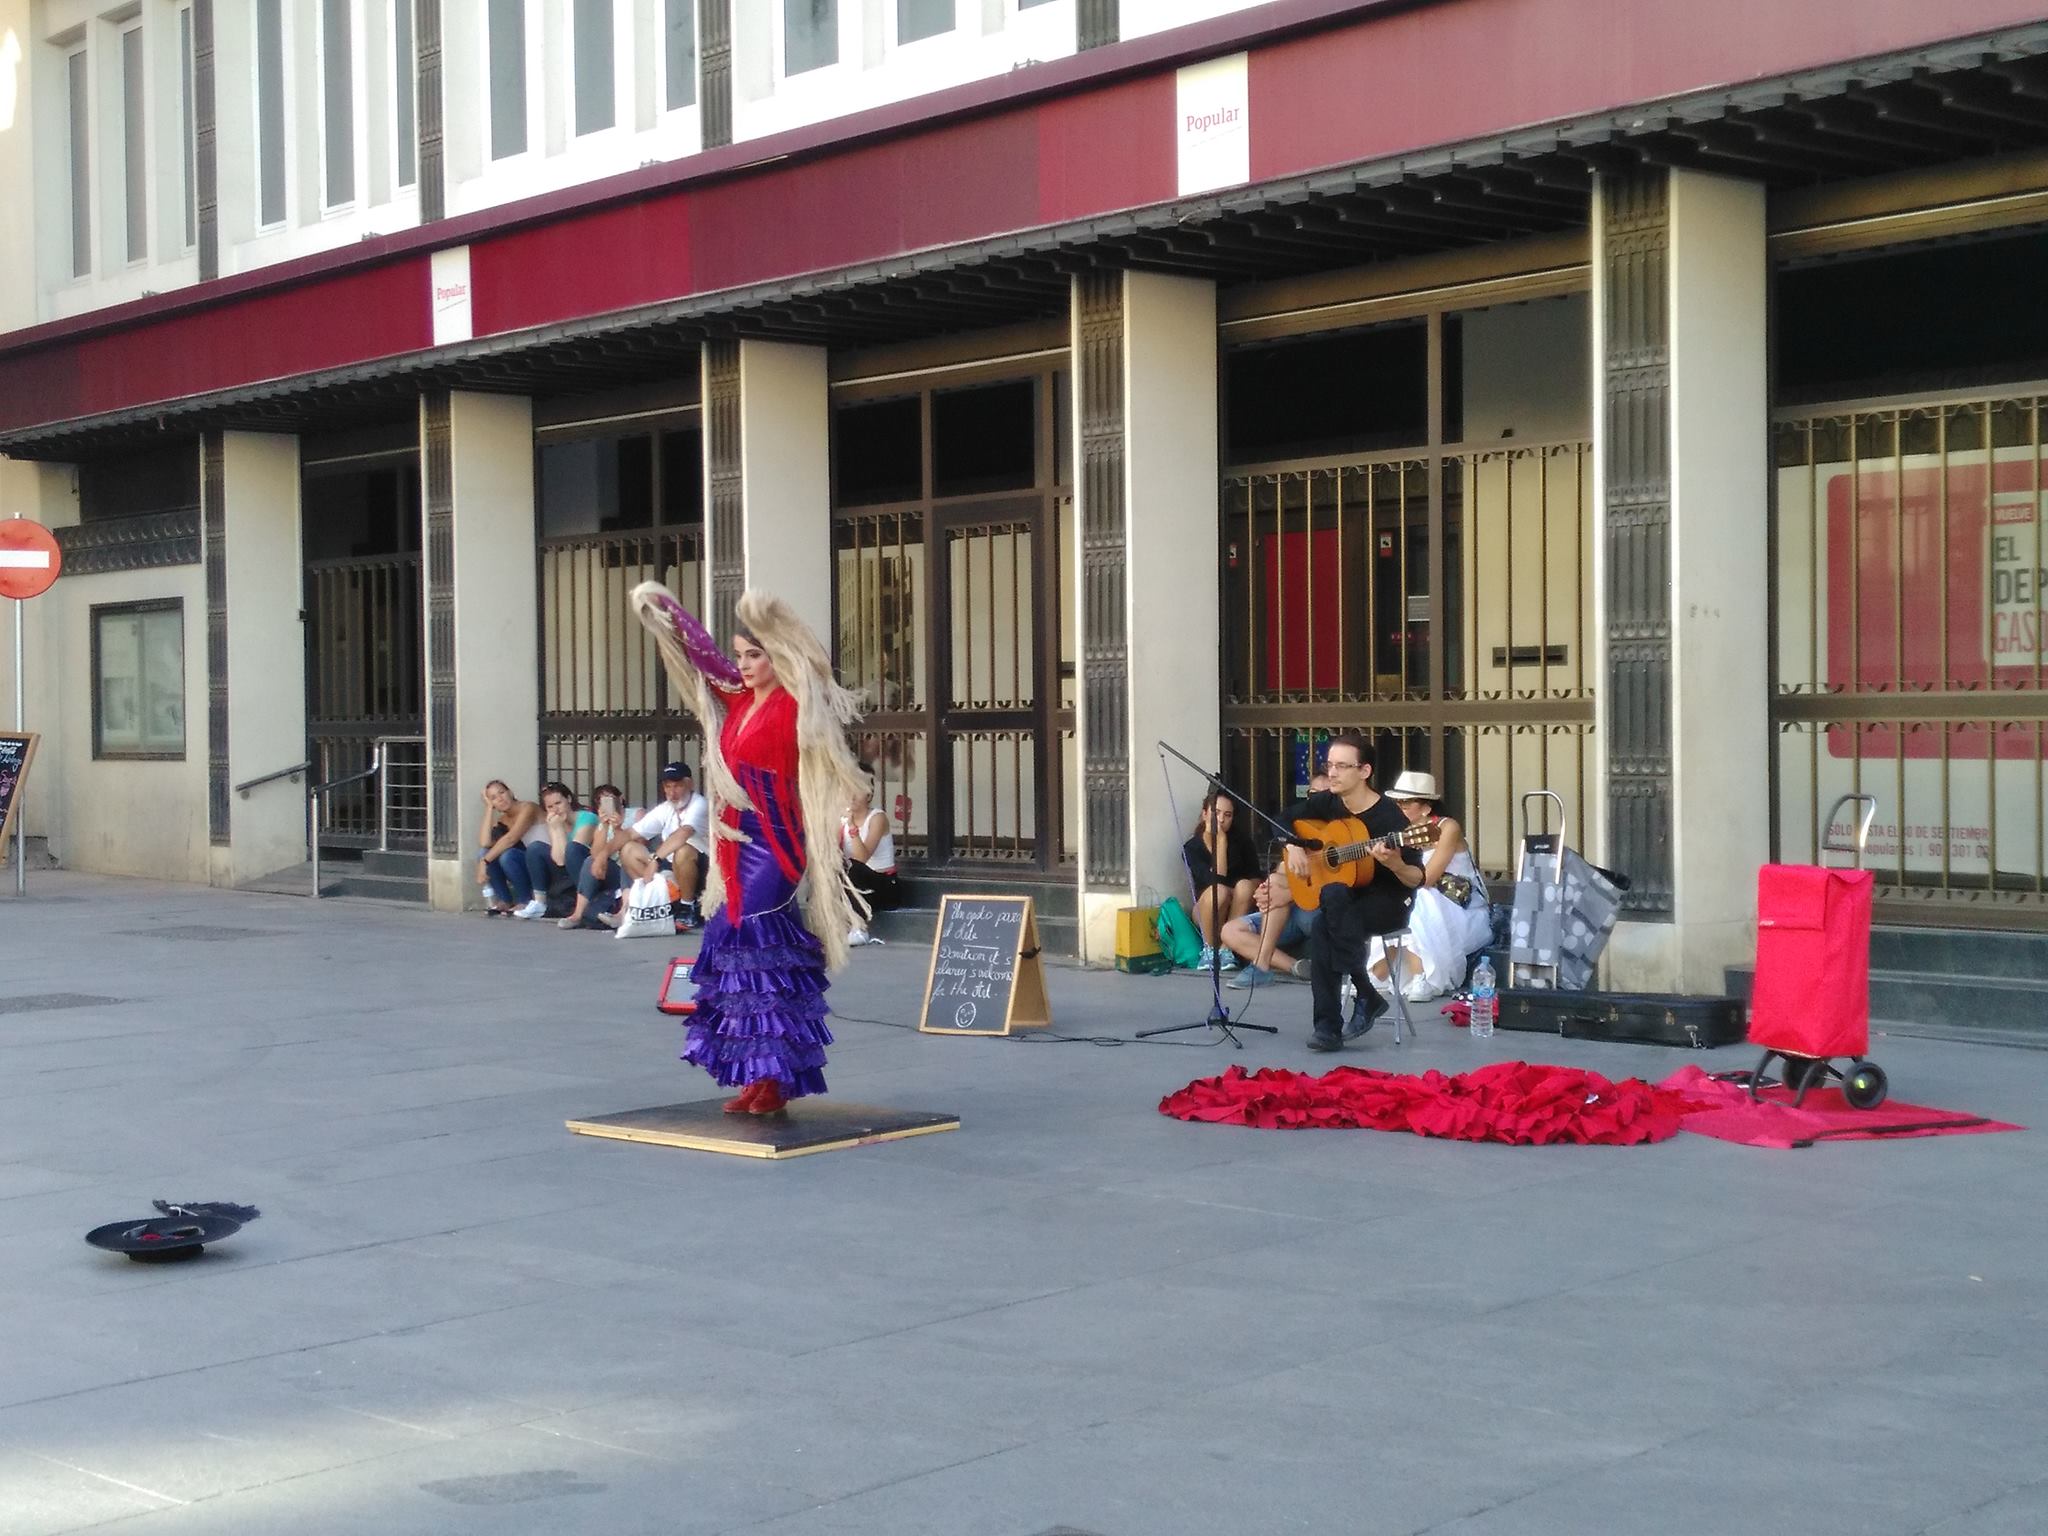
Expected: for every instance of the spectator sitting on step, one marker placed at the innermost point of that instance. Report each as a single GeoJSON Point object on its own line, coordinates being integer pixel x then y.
{"type": "Point", "coordinates": [555, 857]}
{"type": "Point", "coordinates": [501, 849]}
{"type": "Point", "coordinates": [678, 832]}
{"type": "Point", "coordinates": [870, 849]}
{"type": "Point", "coordinates": [1269, 939]}
{"type": "Point", "coordinates": [602, 877]}
{"type": "Point", "coordinates": [1220, 853]}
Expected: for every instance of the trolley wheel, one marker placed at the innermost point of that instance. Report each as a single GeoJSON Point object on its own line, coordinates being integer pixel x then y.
{"type": "Point", "coordinates": [1801, 1072]}
{"type": "Point", "coordinates": [1865, 1087]}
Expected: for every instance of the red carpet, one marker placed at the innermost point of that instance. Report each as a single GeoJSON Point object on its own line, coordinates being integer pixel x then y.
{"type": "Point", "coordinates": [1510, 1101]}
{"type": "Point", "coordinates": [1727, 1114]}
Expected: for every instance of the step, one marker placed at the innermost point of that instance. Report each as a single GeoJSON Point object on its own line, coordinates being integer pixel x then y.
{"type": "Point", "coordinates": [341, 877]}
{"type": "Point", "coordinates": [1055, 897]}
{"type": "Point", "coordinates": [1911, 1002]}
{"type": "Point", "coordinates": [399, 863]}
{"type": "Point", "coordinates": [913, 927]}
{"type": "Point", "coordinates": [1960, 952]}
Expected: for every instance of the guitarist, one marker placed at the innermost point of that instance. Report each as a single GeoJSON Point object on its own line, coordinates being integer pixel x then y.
{"type": "Point", "coordinates": [1349, 916]}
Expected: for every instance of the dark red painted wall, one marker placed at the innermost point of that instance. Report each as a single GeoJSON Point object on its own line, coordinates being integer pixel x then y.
{"type": "Point", "coordinates": [1378, 82]}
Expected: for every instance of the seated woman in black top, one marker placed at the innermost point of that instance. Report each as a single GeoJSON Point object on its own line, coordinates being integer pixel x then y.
{"type": "Point", "coordinates": [1224, 867]}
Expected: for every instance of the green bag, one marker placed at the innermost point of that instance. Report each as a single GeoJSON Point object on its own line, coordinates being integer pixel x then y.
{"type": "Point", "coordinates": [1179, 940]}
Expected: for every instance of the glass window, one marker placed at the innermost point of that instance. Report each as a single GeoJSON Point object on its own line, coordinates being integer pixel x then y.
{"type": "Point", "coordinates": [188, 128]}
{"type": "Point", "coordinates": [596, 485]}
{"type": "Point", "coordinates": [138, 701]}
{"type": "Point", "coordinates": [134, 155]}
{"type": "Point", "coordinates": [270, 111]}
{"type": "Point", "coordinates": [508, 78]}
{"type": "Point", "coordinates": [1335, 392]}
{"type": "Point", "coordinates": [922, 18]}
{"type": "Point", "coordinates": [337, 95]}
{"type": "Point", "coordinates": [810, 38]}
{"type": "Point", "coordinates": [984, 439]}
{"type": "Point", "coordinates": [682, 476]}
{"type": "Point", "coordinates": [81, 164]}
{"type": "Point", "coordinates": [596, 71]}
{"type": "Point", "coordinates": [404, 81]}
{"type": "Point", "coordinates": [680, 43]}
{"type": "Point", "coordinates": [878, 449]}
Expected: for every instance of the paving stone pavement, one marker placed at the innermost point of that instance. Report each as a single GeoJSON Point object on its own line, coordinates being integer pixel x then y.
{"type": "Point", "coordinates": [1073, 1314]}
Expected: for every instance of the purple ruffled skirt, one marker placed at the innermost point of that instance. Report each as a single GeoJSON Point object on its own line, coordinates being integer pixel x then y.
{"type": "Point", "coordinates": [760, 985]}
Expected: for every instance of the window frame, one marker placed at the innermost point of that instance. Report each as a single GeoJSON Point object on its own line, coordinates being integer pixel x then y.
{"type": "Point", "coordinates": [405, 96]}
{"type": "Point", "coordinates": [188, 126]}
{"type": "Point", "coordinates": [131, 48]}
{"type": "Point", "coordinates": [282, 137]}
{"type": "Point", "coordinates": [898, 40]}
{"type": "Point", "coordinates": [78, 137]}
{"type": "Point", "coordinates": [608, 9]}
{"type": "Point", "coordinates": [322, 15]}
{"type": "Point", "coordinates": [813, 71]}
{"type": "Point", "coordinates": [97, 614]}
{"type": "Point", "coordinates": [492, 155]}
{"type": "Point", "coordinates": [665, 86]}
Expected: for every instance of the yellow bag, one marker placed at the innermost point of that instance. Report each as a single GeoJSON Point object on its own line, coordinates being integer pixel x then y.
{"type": "Point", "coordinates": [1137, 932]}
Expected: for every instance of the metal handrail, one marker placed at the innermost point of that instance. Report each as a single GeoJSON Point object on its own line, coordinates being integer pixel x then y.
{"type": "Point", "coordinates": [313, 806]}
{"type": "Point", "coordinates": [292, 772]}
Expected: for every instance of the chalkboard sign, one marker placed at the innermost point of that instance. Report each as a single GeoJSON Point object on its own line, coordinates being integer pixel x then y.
{"type": "Point", "coordinates": [16, 753]}
{"type": "Point", "coordinates": [986, 976]}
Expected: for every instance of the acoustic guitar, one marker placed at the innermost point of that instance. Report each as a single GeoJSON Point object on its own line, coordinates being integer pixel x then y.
{"type": "Point", "coordinates": [1346, 855]}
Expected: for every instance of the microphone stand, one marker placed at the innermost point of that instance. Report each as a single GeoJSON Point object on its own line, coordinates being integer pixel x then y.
{"type": "Point", "coordinates": [1219, 1016]}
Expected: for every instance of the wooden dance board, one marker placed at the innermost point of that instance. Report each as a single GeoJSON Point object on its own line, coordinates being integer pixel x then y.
{"type": "Point", "coordinates": [807, 1126]}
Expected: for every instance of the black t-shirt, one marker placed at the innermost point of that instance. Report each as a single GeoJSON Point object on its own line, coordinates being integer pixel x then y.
{"type": "Point", "coordinates": [1385, 898]}
{"type": "Point", "coordinates": [1241, 861]}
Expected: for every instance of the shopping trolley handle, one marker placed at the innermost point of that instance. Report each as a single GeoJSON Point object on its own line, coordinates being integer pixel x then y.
{"type": "Point", "coordinates": [1863, 821]}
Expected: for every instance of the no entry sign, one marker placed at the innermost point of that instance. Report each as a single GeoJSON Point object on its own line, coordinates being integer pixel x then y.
{"type": "Point", "coordinates": [29, 558]}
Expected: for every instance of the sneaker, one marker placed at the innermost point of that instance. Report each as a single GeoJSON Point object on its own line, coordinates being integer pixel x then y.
{"type": "Point", "coordinates": [1230, 961]}
{"type": "Point", "coordinates": [538, 907]}
{"type": "Point", "coordinates": [1206, 959]}
{"type": "Point", "coordinates": [610, 919]}
{"type": "Point", "coordinates": [1249, 977]}
{"type": "Point", "coordinates": [1321, 1042]}
{"type": "Point", "coordinates": [858, 937]}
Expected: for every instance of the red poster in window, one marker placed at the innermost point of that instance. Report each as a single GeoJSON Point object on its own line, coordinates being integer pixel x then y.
{"type": "Point", "coordinates": [1889, 608]}
{"type": "Point", "coordinates": [1304, 638]}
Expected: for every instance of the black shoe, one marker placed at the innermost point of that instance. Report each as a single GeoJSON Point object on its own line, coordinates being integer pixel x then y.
{"type": "Point", "coordinates": [1366, 1008]}
{"type": "Point", "coordinates": [1322, 1042]}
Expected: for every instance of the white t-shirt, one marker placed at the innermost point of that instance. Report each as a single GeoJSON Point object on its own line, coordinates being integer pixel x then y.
{"type": "Point", "coordinates": [661, 821]}
{"type": "Point", "coordinates": [883, 860]}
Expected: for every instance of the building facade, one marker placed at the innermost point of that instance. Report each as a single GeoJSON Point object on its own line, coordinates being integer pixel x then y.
{"type": "Point", "coordinates": [1629, 399]}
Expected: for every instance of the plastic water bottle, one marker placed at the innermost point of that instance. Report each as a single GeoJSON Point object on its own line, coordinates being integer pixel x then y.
{"type": "Point", "coordinates": [1483, 1000]}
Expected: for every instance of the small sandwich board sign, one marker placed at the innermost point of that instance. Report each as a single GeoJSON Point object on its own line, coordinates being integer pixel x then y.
{"type": "Point", "coordinates": [987, 976]}
{"type": "Point", "coordinates": [17, 752]}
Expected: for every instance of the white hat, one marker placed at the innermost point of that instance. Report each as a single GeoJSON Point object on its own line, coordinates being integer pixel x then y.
{"type": "Point", "coordinates": [1413, 786]}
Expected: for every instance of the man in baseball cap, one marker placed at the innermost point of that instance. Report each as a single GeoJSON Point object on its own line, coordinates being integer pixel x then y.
{"type": "Point", "coordinates": [677, 830]}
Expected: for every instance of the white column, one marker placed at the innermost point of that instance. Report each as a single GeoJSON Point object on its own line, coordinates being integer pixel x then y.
{"type": "Point", "coordinates": [786, 477]}
{"type": "Point", "coordinates": [266, 654]}
{"type": "Point", "coordinates": [1718, 433]}
{"type": "Point", "coordinates": [1171, 585]}
{"type": "Point", "coordinates": [496, 706]}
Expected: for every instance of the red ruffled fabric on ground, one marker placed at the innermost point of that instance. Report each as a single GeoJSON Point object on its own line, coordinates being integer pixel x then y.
{"type": "Point", "coordinates": [1513, 1102]}
{"type": "Point", "coordinates": [1727, 1113]}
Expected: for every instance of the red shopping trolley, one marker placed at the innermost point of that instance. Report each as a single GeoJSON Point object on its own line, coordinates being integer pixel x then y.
{"type": "Point", "coordinates": [1811, 1001]}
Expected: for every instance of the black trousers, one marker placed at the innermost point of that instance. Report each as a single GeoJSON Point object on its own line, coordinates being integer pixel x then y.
{"type": "Point", "coordinates": [1348, 917]}
{"type": "Point", "coordinates": [883, 891]}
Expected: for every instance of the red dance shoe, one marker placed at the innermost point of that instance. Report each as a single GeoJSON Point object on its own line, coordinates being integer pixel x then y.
{"type": "Point", "coordinates": [768, 1098]}
{"type": "Point", "coordinates": [744, 1104]}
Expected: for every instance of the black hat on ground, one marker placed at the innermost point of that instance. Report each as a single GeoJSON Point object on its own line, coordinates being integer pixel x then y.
{"type": "Point", "coordinates": [163, 1238]}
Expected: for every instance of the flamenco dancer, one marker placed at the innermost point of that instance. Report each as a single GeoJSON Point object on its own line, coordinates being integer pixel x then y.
{"type": "Point", "coordinates": [779, 775]}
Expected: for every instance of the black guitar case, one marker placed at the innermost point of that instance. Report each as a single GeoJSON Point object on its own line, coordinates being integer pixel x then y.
{"type": "Point", "coordinates": [1641, 1018]}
